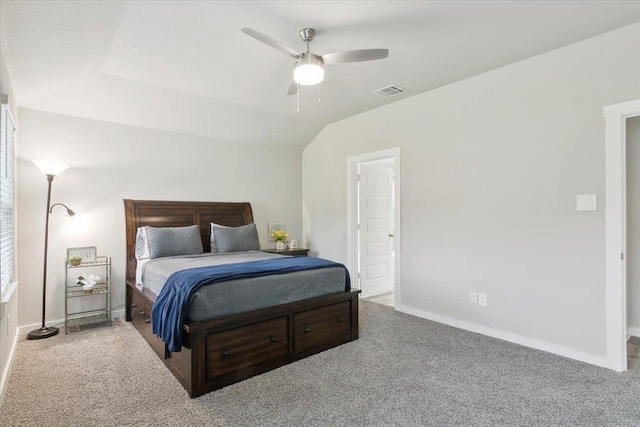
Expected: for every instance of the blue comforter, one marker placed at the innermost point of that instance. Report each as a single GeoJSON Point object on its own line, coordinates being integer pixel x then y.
{"type": "Point", "coordinates": [172, 305]}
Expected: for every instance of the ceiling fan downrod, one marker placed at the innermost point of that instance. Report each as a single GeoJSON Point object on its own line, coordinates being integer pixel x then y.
{"type": "Point", "coordinates": [307, 35]}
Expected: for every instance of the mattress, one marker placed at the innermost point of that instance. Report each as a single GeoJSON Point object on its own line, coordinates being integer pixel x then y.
{"type": "Point", "coordinates": [238, 296]}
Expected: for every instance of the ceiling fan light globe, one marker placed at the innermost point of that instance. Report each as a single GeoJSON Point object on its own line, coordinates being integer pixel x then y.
{"type": "Point", "coordinates": [308, 74]}
{"type": "Point", "coordinates": [308, 70]}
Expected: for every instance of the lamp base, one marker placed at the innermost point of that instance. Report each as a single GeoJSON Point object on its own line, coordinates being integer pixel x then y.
{"type": "Point", "coordinates": [41, 333]}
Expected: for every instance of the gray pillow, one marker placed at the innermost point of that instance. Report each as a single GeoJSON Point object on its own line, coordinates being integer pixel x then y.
{"type": "Point", "coordinates": [173, 241]}
{"type": "Point", "coordinates": [237, 239]}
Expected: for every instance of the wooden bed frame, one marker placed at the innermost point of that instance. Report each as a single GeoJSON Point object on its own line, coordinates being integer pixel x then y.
{"type": "Point", "coordinates": [225, 350]}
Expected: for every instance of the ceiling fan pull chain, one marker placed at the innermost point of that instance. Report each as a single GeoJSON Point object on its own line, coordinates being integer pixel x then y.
{"type": "Point", "coordinates": [298, 99]}
{"type": "Point", "coordinates": [319, 97]}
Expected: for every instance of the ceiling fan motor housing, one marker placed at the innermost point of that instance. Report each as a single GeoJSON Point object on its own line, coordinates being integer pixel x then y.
{"type": "Point", "coordinates": [307, 34]}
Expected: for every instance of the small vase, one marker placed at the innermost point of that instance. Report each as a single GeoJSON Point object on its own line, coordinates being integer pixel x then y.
{"type": "Point", "coordinates": [74, 263]}
{"type": "Point", "coordinates": [280, 246]}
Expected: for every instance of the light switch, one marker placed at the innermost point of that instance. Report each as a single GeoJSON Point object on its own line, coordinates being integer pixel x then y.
{"type": "Point", "coordinates": [587, 202]}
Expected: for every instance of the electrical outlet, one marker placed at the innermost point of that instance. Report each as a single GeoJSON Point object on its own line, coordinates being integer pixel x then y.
{"type": "Point", "coordinates": [483, 300]}
{"type": "Point", "coordinates": [473, 297]}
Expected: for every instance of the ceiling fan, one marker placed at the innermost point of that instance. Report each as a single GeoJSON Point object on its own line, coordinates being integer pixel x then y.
{"type": "Point", "coordinates": [309, 67]}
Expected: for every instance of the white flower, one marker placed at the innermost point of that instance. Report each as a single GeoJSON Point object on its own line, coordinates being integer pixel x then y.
{"type": "Point", "coordinates": [88, 279]}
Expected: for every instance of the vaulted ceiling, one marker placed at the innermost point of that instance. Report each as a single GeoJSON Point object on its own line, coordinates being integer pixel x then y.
{"type": "Point", "coordinates": [185, 66]}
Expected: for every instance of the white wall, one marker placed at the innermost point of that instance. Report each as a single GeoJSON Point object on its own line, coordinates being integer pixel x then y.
{"type": "Point", "coordinates": [112, 162]}
{"type": "Point", "coordinates": [633, 224]}
{"type": "Point", "coordinates": [491, 167]}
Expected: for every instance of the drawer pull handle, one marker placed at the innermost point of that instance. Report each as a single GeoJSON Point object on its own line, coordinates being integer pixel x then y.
{"type": "Point", "coordinates": [142, 313]}
{"type": "Point", "coordinates": [226, 353]}
{"type": "Point", "coordinates": [307, 330]}
{"type": "Point", "coordinates": [147, 321]}
{"type": "Point", "coordinates": [273, 339]}
{"type": "Point", "coordinates": [340, 320]}
{"type": "Point", "coordinates": [134, 305]}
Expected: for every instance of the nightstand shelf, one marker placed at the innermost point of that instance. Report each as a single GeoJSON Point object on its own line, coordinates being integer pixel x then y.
{"type": "Point", "coordinates": [77, 291]}
{"type": "Point", "coordinates": [290, 252]}
{"type": "Point", "coordinates": [83, 307]}
{"type": "Point", "coordinates": [87, 319]}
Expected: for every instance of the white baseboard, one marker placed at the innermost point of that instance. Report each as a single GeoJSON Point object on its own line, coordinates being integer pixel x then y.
{"type": "Point", "coordinates": [593, 359]}
{"type": "Point", "coordinates": [7, 368]}
{"type": "Point", "coordinates": [28, 328]}
{"type": "Point", "coordinates": [117, 313]}
{"type": "Point", "coordinates": [633, 331]}
{"type": "Point", "coordinates": [373, 294]}
{"type": "Point", "coordinates": [25, 329]}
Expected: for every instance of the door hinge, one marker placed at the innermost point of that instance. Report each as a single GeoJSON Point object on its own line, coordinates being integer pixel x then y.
{"type": "Point", "coordinates": [622, 256]}
{"type": "Point", "coordinates": [358, 227]}
{"type": "Point", "coordinates": [358, 177]}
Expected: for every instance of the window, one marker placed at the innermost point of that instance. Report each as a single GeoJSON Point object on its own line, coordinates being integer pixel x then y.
{"type": "Point", "coordinates": [7, 131]}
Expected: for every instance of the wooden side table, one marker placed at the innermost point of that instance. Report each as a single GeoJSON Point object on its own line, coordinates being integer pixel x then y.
{"type": "Point", "coordinates": [291, 252]}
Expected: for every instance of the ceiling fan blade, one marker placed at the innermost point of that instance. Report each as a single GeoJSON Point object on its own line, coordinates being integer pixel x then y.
{"type": "Point", "coordinates": [355, 56]}
{"type": "Point", "coordinates": [293, 88]}
{"type": "Point", "coordinates": [270, 41]}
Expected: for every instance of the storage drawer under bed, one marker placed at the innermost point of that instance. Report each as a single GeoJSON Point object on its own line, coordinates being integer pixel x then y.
{"type": "Point", "coordinates": [318, 326]}
{"type": "Point", "coordinates": [140, 314]}
{"type": "Point", "coordinates": [243, 348]}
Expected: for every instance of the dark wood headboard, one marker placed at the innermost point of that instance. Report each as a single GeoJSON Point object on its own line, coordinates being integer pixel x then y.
{"type": "Point", "coordinates": [139, 213]}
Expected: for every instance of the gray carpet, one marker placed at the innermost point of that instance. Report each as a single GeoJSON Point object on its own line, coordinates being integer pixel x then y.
{"type": "Point", "coordinates": [402, 371]}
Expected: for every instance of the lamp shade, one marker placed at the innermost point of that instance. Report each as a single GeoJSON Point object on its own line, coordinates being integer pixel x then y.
{"type": "Point", "coordinates": [51, 168]}
{"type": "Point", "coordinates": [308, 70]}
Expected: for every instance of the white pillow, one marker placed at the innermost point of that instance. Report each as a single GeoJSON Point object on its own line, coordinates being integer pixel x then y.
{"type": "Point", "coordinates": [142, 244]}
{"type": "Point", "coordinates": [139, 266]}
{"type": "Point", "coordinates": [213, 236]}
{"type": "Point", "coordinates": [142, 252]}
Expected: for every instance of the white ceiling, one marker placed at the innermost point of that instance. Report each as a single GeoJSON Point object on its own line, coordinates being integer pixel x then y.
{"type": "Point", "coordinates": [185, 66]}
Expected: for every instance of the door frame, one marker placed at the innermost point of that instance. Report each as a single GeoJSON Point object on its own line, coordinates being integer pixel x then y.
{"type": "Point", "coordinates": [616, 230]}
{"type": "Point", "coordinates": [352, 214]}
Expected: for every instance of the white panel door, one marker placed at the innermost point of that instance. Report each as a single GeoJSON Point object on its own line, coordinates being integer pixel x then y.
{"type": "Point", "coordinates": [375, 228]}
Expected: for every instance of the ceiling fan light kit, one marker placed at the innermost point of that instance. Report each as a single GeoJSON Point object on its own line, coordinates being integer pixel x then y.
{"type": "Point", "coordinates": [308, 70]}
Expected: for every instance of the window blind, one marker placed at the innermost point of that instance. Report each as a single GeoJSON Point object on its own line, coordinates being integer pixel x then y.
{"type": "Point", "coordinates": [6, 198]}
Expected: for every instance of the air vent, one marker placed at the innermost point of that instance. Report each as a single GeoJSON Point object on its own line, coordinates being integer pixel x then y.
{"type": "Point", "coordinates": [392, 90]}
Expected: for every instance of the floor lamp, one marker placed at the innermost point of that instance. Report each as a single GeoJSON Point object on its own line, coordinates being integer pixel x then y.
{"type": "Point", "coordinates": [50, 169]}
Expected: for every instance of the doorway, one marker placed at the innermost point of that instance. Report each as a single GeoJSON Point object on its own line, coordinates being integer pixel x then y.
{"type": "Point", "coordinates": [373, 232]}
{"type": "Point", "coordinates": [633, 242]}
{"type": "Point", "coordinates": [617, 118]}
